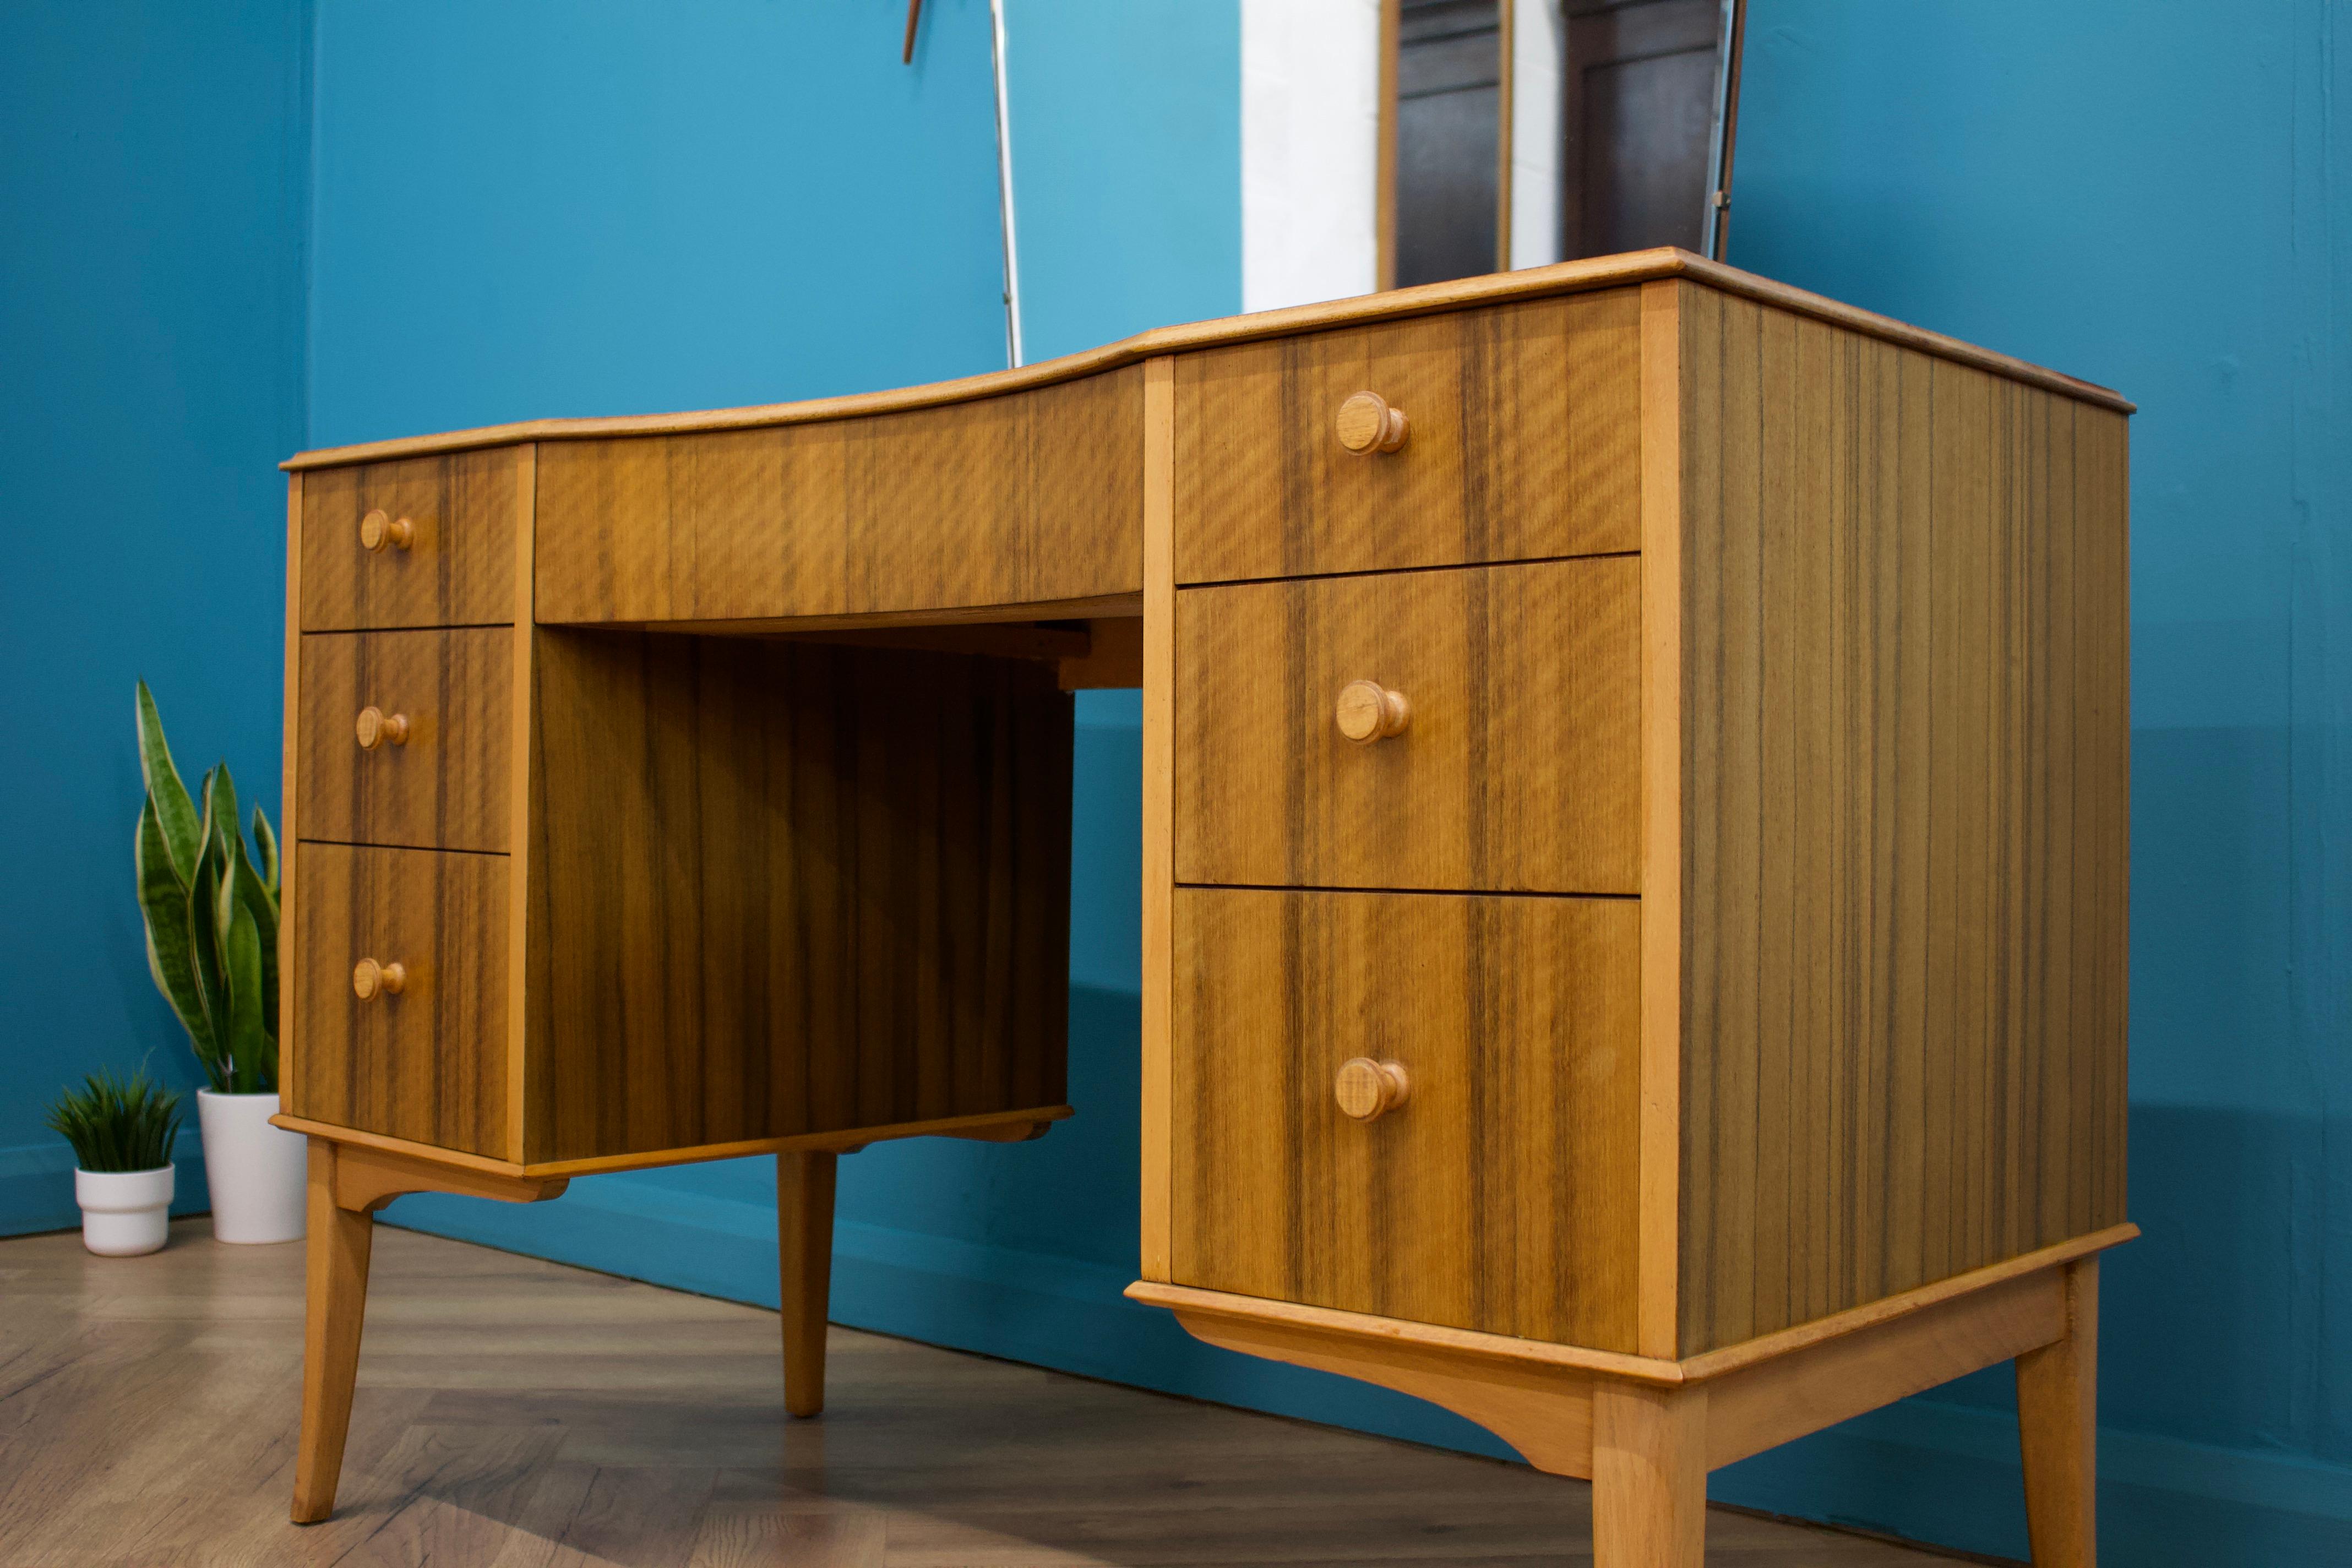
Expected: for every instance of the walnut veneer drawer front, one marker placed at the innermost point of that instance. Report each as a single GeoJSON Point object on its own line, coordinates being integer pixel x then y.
{"type": "Point", "coordinates": [425, 541]}
{"type": "Point", "coordinates": [424, 1055]}
{"type": "Point", "coordinates": [1030, 498]}
{"type": "Point", "coordinates": [405, 737]}
{"type": "Point", "coordinates": [1499, 1194]}
{"type": "Point", "coordinates": [1518, 768]}
{"type": "Point", "coordinates": [1521, 440]}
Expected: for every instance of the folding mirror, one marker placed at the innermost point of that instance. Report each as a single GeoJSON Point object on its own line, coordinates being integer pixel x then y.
{"type": "Point", "coordinates": [1518, 132]}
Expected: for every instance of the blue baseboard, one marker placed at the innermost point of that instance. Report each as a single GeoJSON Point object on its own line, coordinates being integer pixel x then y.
{"type": "Point", "coordinates": [1930, 1470]}
{"type": "Point", "coordinates": [36, 1186]}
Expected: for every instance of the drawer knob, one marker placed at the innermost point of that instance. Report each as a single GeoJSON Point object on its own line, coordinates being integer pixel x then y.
{"type": "Point", "coordinates": [1367, 711]}
{"type": "Point", "coordinates": [1367, 424]}
{"type": "Point", "coordinates": [371, 979]}
{"type": "Point", "coordinates": [1368, 1090]}
{"type": "Point", "coordinates": [375, 727]}
{"type": "Point", "coordinates": [380, 527]}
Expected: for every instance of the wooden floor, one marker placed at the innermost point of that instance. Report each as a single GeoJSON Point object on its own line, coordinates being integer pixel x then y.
{"type": "Point", "coordinates": [517, 1412]}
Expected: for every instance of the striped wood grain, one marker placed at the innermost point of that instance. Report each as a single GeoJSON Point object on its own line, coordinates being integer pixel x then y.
{"type": "Point", "coordinates": [1032, 498]}
{"type": "Point", "coordinates": [1904, 805]}
{"type": "Point", "coordinates": [449, 786]}
{"type": "Point", "coordinates": [457, 572]}
{"type": "Point", "coordinates": [1520, 770]}
{"type": "Point", "coordinates": [780, 887]}
{"type": "Point", "coordinates": [1523, 442]}
{"type": "Point", "coordinates": [428, 1065]}
{"type": "Point", "coordinates": [1500, 1197]}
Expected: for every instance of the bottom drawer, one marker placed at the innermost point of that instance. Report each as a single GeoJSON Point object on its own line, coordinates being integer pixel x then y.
{"type": "Point", "coordinates": [1499, 1195]}
{"type": "Point", "coordinates": [429, 1062]}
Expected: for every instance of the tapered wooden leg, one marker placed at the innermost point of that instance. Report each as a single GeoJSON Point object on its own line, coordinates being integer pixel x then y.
{"type": "Point", "coordinates": [339, 1243]}
{"type": "Point", "coordinates": [2058, 1424]}
{"type": "Point", "coordinates": [1648, 1476]}
{"type": "Point", "coordinates": [804, 1266]}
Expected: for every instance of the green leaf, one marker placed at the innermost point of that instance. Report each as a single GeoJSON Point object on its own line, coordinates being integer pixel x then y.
{"type": "Point", "coordinates": [176, 814]}
{"type": "Point", "coordinates": [170, 956]}
{"type": "Point", "coordinates": [118, 1125]}
{"type": "Point", "coordinates": [207, 954]}
{"type": "Point", "coordinates": [253, 1058]}
{"type": "Point", "coordinates": [267, 841]}
{"type": "Point", "coordinates": [241, 884]}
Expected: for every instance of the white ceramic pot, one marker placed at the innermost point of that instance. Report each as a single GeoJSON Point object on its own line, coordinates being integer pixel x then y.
{"type": "Point", "coordinates": [125, 1213]}
{"type": "Point", "coordinates": [255, 1171]}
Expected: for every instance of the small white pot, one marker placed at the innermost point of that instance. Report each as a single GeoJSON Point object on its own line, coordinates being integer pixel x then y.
{"type": "Point", "coordinates": [255, 1171]}
{"type": "Point", "coordinates": [125, 1213]}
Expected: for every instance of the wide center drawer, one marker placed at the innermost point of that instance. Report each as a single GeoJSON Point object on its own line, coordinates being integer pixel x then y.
{"type": "Point", "coordinates": [438, 707]}
{"type": "Point", "coordinates": [426, 1061]}
{"type": "Point", "coordinates": [1519, 766]}
{"type": "Point", "coordinates": [1500, 1193]}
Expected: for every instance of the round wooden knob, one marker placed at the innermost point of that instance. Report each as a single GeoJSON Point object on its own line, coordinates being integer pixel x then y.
{"type": "Point", "coordinates": [1368, 1090]}
{"type": "Point", "coordinates": [371, 979]}
{"type": "Point", "coordinates": [1367, 424]}
{"type": "Point", "coordinates": [1366, 711]}
{"type": "Point", "coordinates": [380, 527]}
{"type": "Point", "coordinates": [375, 727]}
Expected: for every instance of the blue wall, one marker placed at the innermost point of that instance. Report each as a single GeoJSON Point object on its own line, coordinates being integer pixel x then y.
{"type": "Point", "coordinates": [2157, 197]}
{"type": "Point", "coordinates": [567, 208]}
{"type": "Point", "coordinates": [152, 176]}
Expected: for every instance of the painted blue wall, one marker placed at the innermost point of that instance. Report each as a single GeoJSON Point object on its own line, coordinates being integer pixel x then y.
{"type": "Point", "coordinates": [603, 207]}
{"type": "Point", "coordinates": [151, 372]}
{"type": "Point", "coordinates": [2157, 197]}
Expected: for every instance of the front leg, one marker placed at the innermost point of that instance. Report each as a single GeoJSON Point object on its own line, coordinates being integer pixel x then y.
{"type": "Point", "coordinates": [348, 1184]}
{"type": "Point", "coordinates": [804, 1186]}
{"type": "Point", "coordinates": [1648, 1476]}
{"type": "Point", "coordinates": [339, 1243]}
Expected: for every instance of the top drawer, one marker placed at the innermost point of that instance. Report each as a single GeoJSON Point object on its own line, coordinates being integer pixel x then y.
{"type": "Point", "coordinates": [1522, 440]}
{"type": "Point", "coordinates": [453, 565]}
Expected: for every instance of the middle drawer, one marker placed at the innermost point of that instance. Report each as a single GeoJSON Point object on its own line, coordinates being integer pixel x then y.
{"type": "Point", "coordinates": [406, 738]}
{"type": "Point", "coordinates": [1517, 766]}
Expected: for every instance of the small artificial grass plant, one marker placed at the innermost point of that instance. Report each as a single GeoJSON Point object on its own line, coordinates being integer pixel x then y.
{"type": "Point", "coordinates": [118, 1125]}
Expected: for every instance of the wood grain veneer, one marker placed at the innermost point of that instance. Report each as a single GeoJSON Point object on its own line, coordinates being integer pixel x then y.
{"type": "Point", "coordinates": [457, 571]}
{"type": "Point", "coordinates": [1027, 498]}
{"type": "Point", "coordinates": [1905, 818]}
{"type": "Point", "coordinates": [449, 785]}
{"type": "Point", "coordinates": [781, 887]}
{"type": "Point", "coordinates": [1500, 1197]}
{"type": "Point", "coordinates": [1523, 431]}
{"type": "Point", "coordinates": [1519, 769]}
{"type": "Point", "coordinates": [429, 1064]}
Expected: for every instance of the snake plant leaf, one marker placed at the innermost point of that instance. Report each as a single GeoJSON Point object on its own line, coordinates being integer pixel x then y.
{"type": "Point", "coordinates": [207, 954]}
{"type": "Point", "coordinates": [241, 893]}
{"type": "Point", "coordinates": [176, 814]}
{"type": "Point", "coordinates": [170, 956]}
{"type": "Point", "coordinates": [252, 1059]}
{"type": "Point", "coordinates": [267, 841]}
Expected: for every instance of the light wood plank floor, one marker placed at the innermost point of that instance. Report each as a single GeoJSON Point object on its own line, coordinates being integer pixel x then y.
{"type": "Point", "coordinates": [516, 1414]}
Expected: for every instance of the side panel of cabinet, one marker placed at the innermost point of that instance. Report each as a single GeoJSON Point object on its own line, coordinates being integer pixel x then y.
{"type": "Point", "coordinates": [1905, 798]}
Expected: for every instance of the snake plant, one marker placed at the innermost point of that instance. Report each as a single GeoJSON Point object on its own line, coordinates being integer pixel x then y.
{"type": "Point", "coordinates": [212, 915]}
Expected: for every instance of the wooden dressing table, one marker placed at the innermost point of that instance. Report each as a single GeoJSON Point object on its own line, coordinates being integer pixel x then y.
{"type": "Point", "coordinates": [1634, 842]}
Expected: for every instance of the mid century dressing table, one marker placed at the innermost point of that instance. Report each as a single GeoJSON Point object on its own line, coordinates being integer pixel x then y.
{"type": "Point", "coordinates": [1634, 842]}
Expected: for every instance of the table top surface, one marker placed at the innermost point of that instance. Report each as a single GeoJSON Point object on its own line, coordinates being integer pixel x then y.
{"type": "Point", "coordinates": [1529, 283]}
